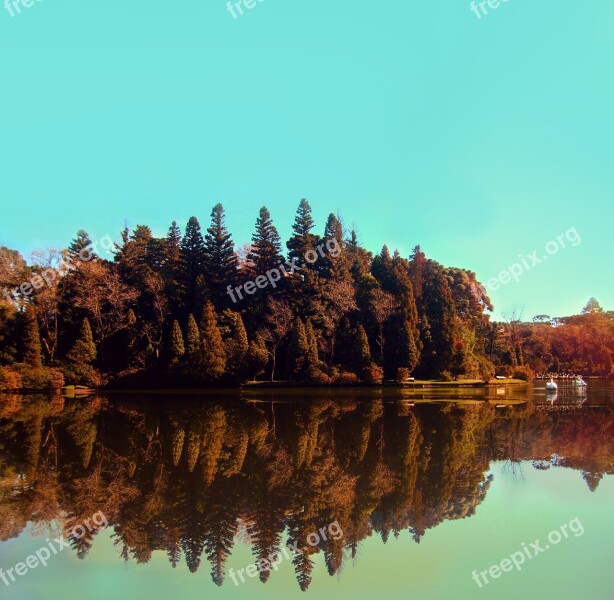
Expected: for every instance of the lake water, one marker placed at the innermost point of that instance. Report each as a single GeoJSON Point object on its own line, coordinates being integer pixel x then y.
{"type": "Point", "coordinates": [430, 494]}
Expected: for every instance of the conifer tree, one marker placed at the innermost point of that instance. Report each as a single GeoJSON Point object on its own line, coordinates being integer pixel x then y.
{"type": "Point", "coordinates": [302, 240]}
{"type": "Point", "coordinates": [193, 344]}
{"type": "Point", "coordinates": [177, 348]}
{"type": "Point", "coordinates": [192, 265]}
{"type": "Point", "coordinates": [258, 356]}
{"type": "Point", "coordinates": [83, 353]}
{"type": "Point", "coordinates": [298, 350]}
{"type": "Point", "coordinates": [31, 340]}
{"type": "Point", "coordinates": [266, 245]}
{"type": "Point", "coordinates": [237, 347]}
{"type": "Point", "coordinates": [172, 266]}
{"type": "Point", "coordinates": [213, 362]}
{"type": "Point", "coordinates": [81, 244]}
{"type": "Point", "coordinates": [312, 344]}
{"type": "Point", "coordinates": [361, 353]}
{"type": "Point", "coordinates": [220, 258]}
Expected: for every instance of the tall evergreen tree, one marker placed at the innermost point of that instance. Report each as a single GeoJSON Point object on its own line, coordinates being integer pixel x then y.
{"type": "Point", "coordinates": [193, 343]}
{"type": "Point", "coordinates": [298, 350]}
{"type": "Point", "coordinates": [31, 340]}
{"type": "Point", "coordinates": [266, 245]}
{"type": "Point", "coordinates": [192, 266]}
{"type": "Point", "coordinates": [361, 352]}
{"type": "Point", "coordinates": [213, 363]}
{"type": "Point", "coordinates": [302, 239]}
{"type": "Point", "coordinates": [312, 344]}
{"type": "Point", "coordinates": [237, 347]}
{"type": "Point", "coordinates": [176, 347]}
{"type": "Point", "coordinates": [82, 355]}
{"type": "Point", "coordinates": [84, 350]}
{"type": "Point", "coordinates": [81, 247]}
{"type": "Point", "coordinates": [220, 259]}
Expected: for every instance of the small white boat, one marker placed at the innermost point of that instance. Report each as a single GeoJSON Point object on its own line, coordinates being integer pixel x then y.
{"type": "Point", "coordinates": [579, 382]}
{"type": "Point", "coordinates": [551, 386]}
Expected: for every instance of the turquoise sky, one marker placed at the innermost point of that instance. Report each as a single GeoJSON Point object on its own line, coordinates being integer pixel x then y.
{"type": "Point", "coordinates": [480, 139]}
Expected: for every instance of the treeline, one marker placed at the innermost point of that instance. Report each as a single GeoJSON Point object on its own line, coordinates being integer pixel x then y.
{"type": "Point", "coordinates": [179, 478]}
{"type": "Point", "coordinates": [184, 310]}
{"type": "Point", "coordinates": [580, 344]}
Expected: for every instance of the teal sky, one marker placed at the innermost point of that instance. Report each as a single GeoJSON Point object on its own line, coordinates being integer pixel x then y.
{"type": "Point", "coordinates": [478, 139]}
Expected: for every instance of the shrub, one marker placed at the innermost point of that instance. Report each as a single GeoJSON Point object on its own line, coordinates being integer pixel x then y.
{"type": "Point", "coordinates": [374, 374]}
{"type": "Point", "coordinates": [43, 378]}
{"type": "Point", "coordinates": [318, 377]}
{"type": "Point", "coordinates": [331, 371]}
{"type": "Point", "coordinates": [486, 370]}
{"type": "Point", "coordinates": [402, 374]}
{"type": "Point", "coordinates": [446, 376]}
{"type": "Point", "coordinates": [9, 379]}
{"type": "Point", "coordinates": [524, 373]}
{"type": "Point", "coordinates": [346, 378]}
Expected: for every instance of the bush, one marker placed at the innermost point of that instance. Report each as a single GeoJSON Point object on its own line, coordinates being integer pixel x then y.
{"type": "Point", "coordinates": [331, 371]}
{"type": "Point", "coordinates": [446, 376]}
{"type": "Point", "coordinates": [82, 375]}
{"type": "Point", "coordinates": [345, 378]}
{"type": "Point", "coordinates": [486, 369]}
{"type": "Point", "coordinates": [318, 377]}
{"type": "Point", "coordinates": [524, 373]}
{"type": "Point", "coordinates": [374, 374]}
{"type": "Point", "coordinates": [402, 374]}
{"type": "Point", "coordinates": [43, 378]}
{"type": "Point", "coordinates": [9, 379]}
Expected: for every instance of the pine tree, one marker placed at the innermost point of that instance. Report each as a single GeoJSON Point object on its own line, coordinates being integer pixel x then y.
{"type": "Point", "coordinates": [31, 340]}
{"type": "Point", "coordinates": [266, 245]}
{"type": "Point", "coordinates": [237, 347]}
{"type": "Point", "coordinates": [220, 258]}
{"type": "Point", "coordinates": [333, 266]}
{"type": "Point", "coordinates": [213, 363]}
{"type": "Point", "coordinates": [81, 247]}
{"type": "Point", "coordinates": [361, 352]}
{"type": "Point", "coordinates": [298, 350]}
{"type": "Point", "coordinates": [303, 240]}
{"type": "Point", "coordinates": [83, 353]}
{"type": "Point", "coordinates": [400, 351]}
{"type": "Point", "coordinates": [312, 343]}
{"type": "Point", "coordinates": [192, 265]}
{"type": "Point", "coordinates": [306, 287]}
{"type": "Point", "coordinates": [177, 348]}
{"type": "Point", "coordinates": [172, 267]}
{"type": "Point", "coordinates": [193, 343]}
{"type": "Point", "coordinates": [258, 357]}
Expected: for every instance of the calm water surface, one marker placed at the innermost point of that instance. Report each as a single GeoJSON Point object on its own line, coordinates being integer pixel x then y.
{"type": "Point", "coordinates": [414, 492]}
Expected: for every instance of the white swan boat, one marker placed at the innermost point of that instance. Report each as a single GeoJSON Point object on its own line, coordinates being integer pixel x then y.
{"type": "Point", "coordinates": [579, 382]}
{"type": "Point", "coordinates": [552, 386]}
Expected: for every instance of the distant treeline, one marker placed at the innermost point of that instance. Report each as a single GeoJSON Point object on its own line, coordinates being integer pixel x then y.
{"type": "Point", "coordinates": [166, 311]}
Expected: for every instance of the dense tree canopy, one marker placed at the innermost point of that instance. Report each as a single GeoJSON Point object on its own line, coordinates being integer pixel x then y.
{"type": "Point", "coordinates": [183, 309]}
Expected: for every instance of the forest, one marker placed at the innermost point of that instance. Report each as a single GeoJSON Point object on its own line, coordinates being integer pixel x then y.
{"type": "Point", "coordinates": [159, 312]}
{"type": "Point", "coordinates": [193, 481]}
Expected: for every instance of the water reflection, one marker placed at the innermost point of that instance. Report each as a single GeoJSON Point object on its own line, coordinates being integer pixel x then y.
{"type": "Point", "coordinates": [191, 478]}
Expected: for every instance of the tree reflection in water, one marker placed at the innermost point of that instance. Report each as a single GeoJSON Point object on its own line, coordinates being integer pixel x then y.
{"type": "Point", "coordinates": [186, 477]}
